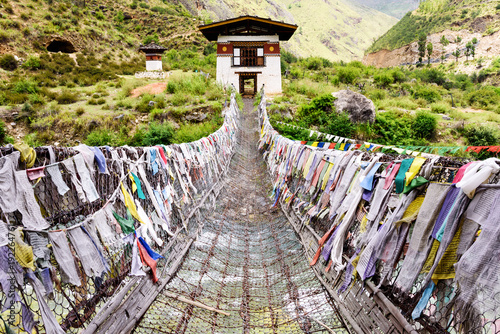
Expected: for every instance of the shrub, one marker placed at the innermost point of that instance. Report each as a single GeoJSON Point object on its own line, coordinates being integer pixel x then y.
{"type": "Point", "coordinates": [428, 93]}
{"type": "Point", "coordinates": [143, 105]}
{"type": "Point", "coordinates": [99, 15]}
{"type": "Point", "coordinates": [424, 126]}
{"type": "Point", "coordinates": [393, 128]}
{"type": "Point", "coordinates": [67, 97]}
{"type": "Point", "coordinates": [340, 125]}
{"type": "Point", "coordinates": [8, 62]}
{"type": "Point", "coordinates": [26, 86]}
{"type": "Point", "coordinates": [158, 133]}
{"type": "Point", "coordinates": [32, 63]}
{"type": "Point", "coordinates": [288, 57]}
{"type": "Point", "coordinates": [3, 132]}
{"type": "Point", "coordinates": [377, 94]}
{"type": "Point", "coordinates": [483, 97]}
{"type": "Point", "coordinates": [348, 75]}
{"type": "Point", "coordinates": [4, 36]}
{"type": "Point", "coordinates": [151, 38]}
{"type": "Point", "coordinates": [159, 9]}
{"type": "Point", "coordinates": [383, 79]}
{"type": "Point", "coordinates": [316, 112]}
{"type": "Point", "coordinates": [480, 136]}
{"type": "Point", "coordinates": [440, 108]}
{"type": "Point", "coordinates": [194, 84]}
{"type": "Point", "coordinates": [191, 132]}
{"type": "Point", "coordinates": [100, 137]}
{"type": "Point", "coordinates": [431, 75]}
{"type": "Point", "coordinates": [314, 63]}
{"type": "Point", "coordinates": [398, 75]}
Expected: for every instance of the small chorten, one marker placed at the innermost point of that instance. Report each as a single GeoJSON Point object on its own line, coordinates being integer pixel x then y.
{"type": "Point", "coordinates": [153, 53]}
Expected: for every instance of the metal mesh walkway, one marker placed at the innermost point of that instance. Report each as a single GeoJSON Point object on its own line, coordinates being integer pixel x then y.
{"type": "Point", "coordinates": [247, 262]}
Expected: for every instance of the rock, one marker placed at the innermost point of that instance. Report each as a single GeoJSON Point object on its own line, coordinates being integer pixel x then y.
{"type": "Point", "coordinates": [196, 117]}
{"type": "Point", "coordinates": [175, 125]}
{"type": "Point", "coordinates": [151, 103]}
{"type": "Point", "coordinates": [127, 16]}
{"type": "Point", "coordinates": [102, 7]}
{"type": "Point", "coordinates": [119, 116]}
{"type": "Point", "coordinates": [447, 118]}
{"type": "Point", "coordinates": [13, 124]}
{"type": "Point", "coordinates": [360, 108]}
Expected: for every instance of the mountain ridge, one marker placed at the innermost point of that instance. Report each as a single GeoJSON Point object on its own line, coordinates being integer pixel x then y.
{"type": "Point", "coordinates": [434, 16]}
{"type": "Point", "coordinates": [335, 30]}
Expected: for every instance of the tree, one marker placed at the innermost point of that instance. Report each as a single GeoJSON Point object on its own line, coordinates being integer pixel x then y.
{"type": "Point", "coordinates": [443, 57]}
{"type": "Point", "coordinates": [468, 48]}
{"type": "Point", "coordinates": [430, 49]}
{"type": "Point", "coordinates": [422, 38]}
{"type": "Point", "coordinates": [444, 41]}
{"type": "Point", "coordinates": [456, 54]}
{"type": "Point", "coordinates": [474, 40]}
{"type": "Point", "coordinates": [473, 51]}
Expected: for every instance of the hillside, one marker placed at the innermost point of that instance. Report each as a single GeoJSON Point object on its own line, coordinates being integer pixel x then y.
{"type": "Point", "coordinates": [335, 30]}
{"type": "Point", "coordinates": [84, 93]}
{"type": "Point", "coordinates": [396, 8]}
{"type": "Point", "coordinates": [94, 26]}
{"type": "Point", "coordinates": [434, 16]}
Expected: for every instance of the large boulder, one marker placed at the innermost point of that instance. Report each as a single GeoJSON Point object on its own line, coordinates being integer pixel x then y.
{"type": "Point", "coordinates": [360, 108]}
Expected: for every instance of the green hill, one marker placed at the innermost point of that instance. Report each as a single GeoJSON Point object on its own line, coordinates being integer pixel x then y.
{"type": "Point", "coordinates": [335, 30]}
{"type": "Point", "coordinates": [434, 16]}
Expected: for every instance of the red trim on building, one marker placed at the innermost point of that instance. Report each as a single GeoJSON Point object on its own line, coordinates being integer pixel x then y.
{"type": "Point", "coordinates": [271, 49]}
{"type": "Point", "coordinates": [224, 49]}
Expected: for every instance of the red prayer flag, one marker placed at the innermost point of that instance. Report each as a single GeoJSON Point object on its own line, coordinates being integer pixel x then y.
{"type": "Point", "coordinates": [147, 260]}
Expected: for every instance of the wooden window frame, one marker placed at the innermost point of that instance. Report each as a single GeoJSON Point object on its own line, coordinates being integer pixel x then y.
{"type": "Point", "coordinates": [248, 56]}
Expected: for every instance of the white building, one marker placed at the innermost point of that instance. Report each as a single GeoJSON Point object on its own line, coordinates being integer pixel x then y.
{"type": "Point", "coordinates": [153, 53]}
{"type": "Point", "coordinates": [248, 52]}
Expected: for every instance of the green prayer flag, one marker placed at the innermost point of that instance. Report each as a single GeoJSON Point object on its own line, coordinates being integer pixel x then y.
{"type": "Point", "coordinates": [400, 177]}
{"type": "Point", "coordinates": [127, 224]}
{"type": "Point", "coordinates": [415, 183]}
{"type": "Point", "coordinates": [139, 188]}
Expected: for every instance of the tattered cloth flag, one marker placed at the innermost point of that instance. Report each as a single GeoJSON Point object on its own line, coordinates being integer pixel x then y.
{"type": "Point", "coordinates": [477, 275]}
{"type": "Point", "coordinates": [148, 256]}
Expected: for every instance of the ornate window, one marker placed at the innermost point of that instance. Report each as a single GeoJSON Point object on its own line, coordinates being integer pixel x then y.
{"type": "Point", "coordinates": [248, 56]}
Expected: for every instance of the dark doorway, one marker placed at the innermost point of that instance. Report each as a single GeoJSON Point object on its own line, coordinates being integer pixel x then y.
{"type": "Point", "coordinates": [248, 84]}
{"type": "Point", "coordinates": [62, 46]}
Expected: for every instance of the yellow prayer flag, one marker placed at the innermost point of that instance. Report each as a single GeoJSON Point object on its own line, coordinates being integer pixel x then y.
{"type": "Point", "coordinates": [22, 251]}
{"type": "Point", "coordinates": [134, 186]}
{"type": "Point", "coordinates": [129, 203]}
{"type": "Point", "coordinates": [414, 169]}
{"type": "Point", "coordinates": [327, 176]}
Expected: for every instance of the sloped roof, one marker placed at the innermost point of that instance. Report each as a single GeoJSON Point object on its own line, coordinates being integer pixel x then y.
{"type": "Point", "coordinates": [153, 47]}
{"type": "Point", "coordinates": [248, 25]}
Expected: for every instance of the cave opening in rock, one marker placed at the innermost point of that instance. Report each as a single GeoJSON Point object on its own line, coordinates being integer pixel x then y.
{"type": "Point", "coordinates": [63, 46]}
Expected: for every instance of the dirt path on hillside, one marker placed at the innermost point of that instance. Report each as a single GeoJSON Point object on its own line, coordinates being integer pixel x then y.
{"type": "Point", "coordinates": [154, 88]}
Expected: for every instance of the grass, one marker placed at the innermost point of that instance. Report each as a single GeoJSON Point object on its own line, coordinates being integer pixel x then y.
{"type": "Point", "coordinates": [424, 93]}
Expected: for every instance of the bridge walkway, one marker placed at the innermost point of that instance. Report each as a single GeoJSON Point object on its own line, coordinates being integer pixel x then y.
{"type": "Point", "coordinates": [247, 262]}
